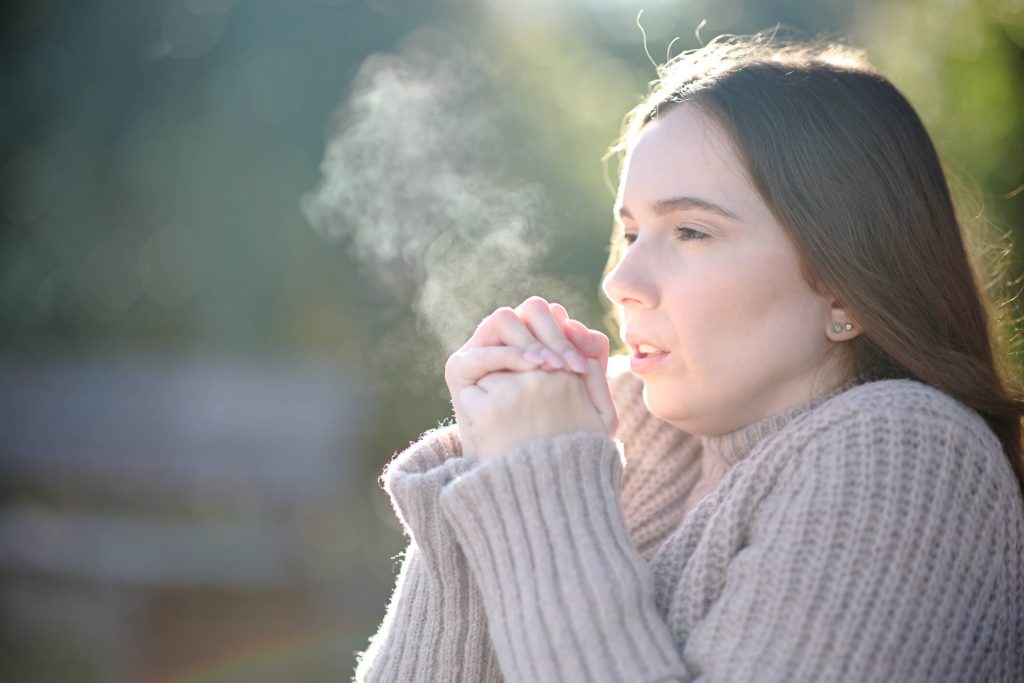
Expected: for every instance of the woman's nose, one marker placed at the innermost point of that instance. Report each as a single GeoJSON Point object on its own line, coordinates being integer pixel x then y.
{"type": "Point", "coordinates": [631, 281]}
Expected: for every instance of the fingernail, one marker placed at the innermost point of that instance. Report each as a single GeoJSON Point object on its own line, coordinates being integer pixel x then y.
{"type": "Point", "coordinates": [533, 357]}
{"type": "Point", "coordinates": [575, 361]}
{"type": "Point", "coordinates": [553, 359]}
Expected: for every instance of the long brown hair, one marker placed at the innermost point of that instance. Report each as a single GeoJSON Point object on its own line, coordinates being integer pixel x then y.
{"type": "Point", "coordinates": [848, 169]}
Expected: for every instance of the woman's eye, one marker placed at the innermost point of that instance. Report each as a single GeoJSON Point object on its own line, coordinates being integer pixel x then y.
{"type": "Point", "coordinates": [624, 239]}
{"type": "Point", "coordinates": [682, 233]}
{"type": "Point", "coordinates": [689, 234]}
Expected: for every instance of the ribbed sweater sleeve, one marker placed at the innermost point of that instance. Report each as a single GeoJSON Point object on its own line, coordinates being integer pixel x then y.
{"type": "Point", "coordinates": [567, 595]}
{"type": "Point", "coordinates": [434, 628]}
{"type": "Point", "coordinates": [887, 549]}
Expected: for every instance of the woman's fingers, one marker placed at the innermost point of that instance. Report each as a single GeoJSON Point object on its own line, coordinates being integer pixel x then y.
{"type": "Point", "coordinates": [468, 366]}
{"type": "Point", "coordinates": [503, 327]}
{"type": "Point", "coordinates": [538, 316]}
{"type": "Point", "coordinates": [544, 332]}
{"type": "Point", "coordinates": [591, 343]}
{"type": "Point", "coordinates": [559, 312]}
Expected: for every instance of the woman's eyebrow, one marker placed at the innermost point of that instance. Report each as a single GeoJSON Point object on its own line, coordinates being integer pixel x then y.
{"type": "Point", "coordinates": [664, 206]}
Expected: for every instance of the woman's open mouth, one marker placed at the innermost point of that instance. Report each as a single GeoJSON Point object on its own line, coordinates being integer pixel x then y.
{"type": "Point", "coordinates": [646, 358]}
{"type": "Point", "coordinates": [645, 350]}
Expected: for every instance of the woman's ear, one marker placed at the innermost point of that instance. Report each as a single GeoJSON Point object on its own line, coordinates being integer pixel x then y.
{"type": "Point", "coordinates": [841, 325]}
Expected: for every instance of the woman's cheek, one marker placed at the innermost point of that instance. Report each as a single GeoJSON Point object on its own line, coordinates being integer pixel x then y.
{"type": "Point", "coordinates": [711, 302]}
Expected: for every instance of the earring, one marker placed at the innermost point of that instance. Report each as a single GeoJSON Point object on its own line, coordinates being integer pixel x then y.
{"type": "Point", "coordinates": [839, 327]}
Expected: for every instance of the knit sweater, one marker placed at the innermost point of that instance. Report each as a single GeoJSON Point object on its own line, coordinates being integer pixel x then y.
{"type": "Point", "coordinates": [874, 533]}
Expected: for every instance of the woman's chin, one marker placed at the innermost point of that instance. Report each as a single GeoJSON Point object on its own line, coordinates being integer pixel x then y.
{"type": "Point", "coordinates": [668, 407]}
{"type": "Point", "coordinates": [657, 403]}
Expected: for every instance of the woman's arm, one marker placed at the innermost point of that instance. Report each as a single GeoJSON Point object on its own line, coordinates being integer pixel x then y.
{"type": "Point", "coordinates": [567, 596]}
{"type": "Point", "coordinates": [434, 628]}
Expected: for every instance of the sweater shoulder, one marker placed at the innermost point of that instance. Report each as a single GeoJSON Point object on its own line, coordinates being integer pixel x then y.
{"type": "Point", "coordinates": [883, 424]}
{"type": "Point", "coordinates": [906, 401]}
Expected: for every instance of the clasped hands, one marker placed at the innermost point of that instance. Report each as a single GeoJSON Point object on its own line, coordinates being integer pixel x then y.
{"type": "Point", "coordinates": [527, 373]}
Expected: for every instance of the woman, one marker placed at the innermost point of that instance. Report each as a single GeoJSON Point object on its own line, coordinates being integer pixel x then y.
{"type": "Point", "coordinates": [810, 469]}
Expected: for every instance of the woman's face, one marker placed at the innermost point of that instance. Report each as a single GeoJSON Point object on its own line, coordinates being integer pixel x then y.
{"type": "Point", "coordinates": [713, 282]}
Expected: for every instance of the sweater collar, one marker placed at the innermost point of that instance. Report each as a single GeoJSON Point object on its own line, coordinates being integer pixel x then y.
{"type": "Point", "coordinates": [729, 448]}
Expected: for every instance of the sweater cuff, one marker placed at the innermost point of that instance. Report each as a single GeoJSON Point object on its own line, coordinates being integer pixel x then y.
{"type": "Point", "coordinates": [413, 480]}
{"type": "Point", "coordinates": [567, 595]}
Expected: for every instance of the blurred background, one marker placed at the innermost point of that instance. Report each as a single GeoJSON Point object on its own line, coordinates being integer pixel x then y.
{"type": "Point", "coordinates": [240, 237]}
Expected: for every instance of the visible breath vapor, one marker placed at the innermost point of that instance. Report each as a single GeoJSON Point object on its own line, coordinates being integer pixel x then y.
{"type": "Point", "coordinates": [415, 177]}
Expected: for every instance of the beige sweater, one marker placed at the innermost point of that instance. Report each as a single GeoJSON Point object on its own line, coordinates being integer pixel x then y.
{"type": "Point", "coordinates": [875, 533]}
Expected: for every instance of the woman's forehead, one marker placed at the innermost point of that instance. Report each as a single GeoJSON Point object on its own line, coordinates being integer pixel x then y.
{"type": "Point", "coordinates": [683, 151]}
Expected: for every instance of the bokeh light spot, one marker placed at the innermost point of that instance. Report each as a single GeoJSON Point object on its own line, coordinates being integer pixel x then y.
{"type": "Point", "coordinates": [27, 185]}
{"type": "Point", "coordinates": [108, 278]}
{"type": "Point", "coordinates": [172, 264]}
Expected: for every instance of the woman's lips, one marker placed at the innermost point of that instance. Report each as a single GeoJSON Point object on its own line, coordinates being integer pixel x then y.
{"type": "Point", "coordinates": [644, 356]}
{"type": "Point", "coordinates": [641, 363]}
